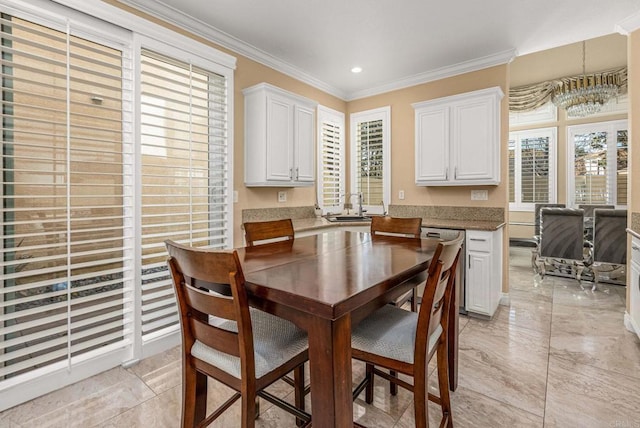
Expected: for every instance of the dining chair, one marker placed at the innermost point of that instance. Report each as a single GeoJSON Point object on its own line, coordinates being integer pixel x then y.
{"type": "Point", "coordinates": [588, 208]}
{"type": "Point", "coordinates": [400, 227]}
{"type": "Point", "coordinates": [588, 218]}
{"type": "Point", "coordinates": [244, 348]}
{"type": "Point", "coordinates": [536, 230]}
{"type": "Point", "coordinates": [267, 231]}
{"type": "Point", "coordinates": [609, 244]}
{"type": "Point", "coordinates": [562, 243]}
{"type": "Point", "coordinates": [405, 342]}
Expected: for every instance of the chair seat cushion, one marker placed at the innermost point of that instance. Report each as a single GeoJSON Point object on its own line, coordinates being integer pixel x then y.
{"type": "Point", "coordinates": [275, 341]}
{"type": "Point", "coordinates": [391, 333]}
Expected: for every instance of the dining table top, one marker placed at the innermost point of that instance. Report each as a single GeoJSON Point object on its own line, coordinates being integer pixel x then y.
{"type": "Point", "coordinates": [332, 273]}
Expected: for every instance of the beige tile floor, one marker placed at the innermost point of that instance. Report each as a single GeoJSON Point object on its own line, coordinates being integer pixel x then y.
{"type": "Point", "coordinates": [558, 356]}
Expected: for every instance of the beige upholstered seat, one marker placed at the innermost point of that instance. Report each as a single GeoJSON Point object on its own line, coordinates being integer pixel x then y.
{"type": "Point", "coordinates": [404, 342]}
{"type": "Point", "coordinates": [223, 338]}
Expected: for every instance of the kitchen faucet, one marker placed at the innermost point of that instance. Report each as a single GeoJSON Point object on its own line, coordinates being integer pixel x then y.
{"type": "Point", "coordinates": [360, 198]}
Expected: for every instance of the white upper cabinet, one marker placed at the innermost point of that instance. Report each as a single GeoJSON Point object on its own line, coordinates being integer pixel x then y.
{"type": "Point", "coordinates": [458, 139]}
{"type": "Point", "coordinates": [279, 135]}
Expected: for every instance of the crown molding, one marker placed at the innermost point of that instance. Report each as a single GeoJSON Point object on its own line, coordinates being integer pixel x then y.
{"type": "Point", "coordinates": [629, 24]}
{"type": "Point", "coordinates": [195, 26]}
{"type": "Point", "coordinates": [499, 58]}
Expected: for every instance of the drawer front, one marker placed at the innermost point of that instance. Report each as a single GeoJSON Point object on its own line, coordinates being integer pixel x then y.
{"type": "Point", "coordinates": [479, 241]}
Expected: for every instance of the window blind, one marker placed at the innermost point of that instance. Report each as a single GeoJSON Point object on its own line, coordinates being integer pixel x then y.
{"type": "Point", "coordinates": [590, 171]}
{"type": "Point", "coordinates": [369, 161]}
{"type": "Point", "coordinates": [332, 163]}
{"type": "Point", "coordinates": [184, 174]}
{"type": "Point", "coordinates": [532, 177]}
{"type": "Point", "coordinates": [534, 170]}
{"type": "Point", "coordinates": [512, 171]}
{"type": "Point", "coordinates": [67, 195]}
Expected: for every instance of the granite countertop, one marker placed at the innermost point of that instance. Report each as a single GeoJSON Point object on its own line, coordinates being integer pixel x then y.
{"type": "Point", "coordinates": [304, 224]}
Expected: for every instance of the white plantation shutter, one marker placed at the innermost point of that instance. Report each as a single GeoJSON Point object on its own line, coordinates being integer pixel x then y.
{"type": "Point", "coordinates": [331, 160]}
{"type": "Point", "coordinates": [370, 158]}
{"type": "Point", "coordinates": [185, 174]}
{"type": "Point", "coordinates": [599, 153]}
{"type": "Point", "coordinates": [532, 167]}
{"type": "Point", "coordinates": [67, 230]}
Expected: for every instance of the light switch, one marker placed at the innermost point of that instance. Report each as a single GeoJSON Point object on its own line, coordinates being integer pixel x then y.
{"type": "Point", "coordinates": [282, 196]}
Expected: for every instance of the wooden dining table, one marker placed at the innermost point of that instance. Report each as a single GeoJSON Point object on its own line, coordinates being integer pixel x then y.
{"type": "Point", "coordinates": [325, 284]}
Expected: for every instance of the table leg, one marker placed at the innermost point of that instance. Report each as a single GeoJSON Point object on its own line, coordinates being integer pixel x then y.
{"type": "Point", "coordinates": [330, 367]}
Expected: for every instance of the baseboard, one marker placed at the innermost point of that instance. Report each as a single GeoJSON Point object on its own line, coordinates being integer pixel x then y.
{"type": "Point", "coordinates": [505, 300]}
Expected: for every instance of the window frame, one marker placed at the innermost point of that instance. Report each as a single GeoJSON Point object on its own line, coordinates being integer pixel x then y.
{"type": "Point", "coordinates": [611, 127]}
{"type": "Point", "coordinates": [383, 114]}
{"type": "Point", "coordinates": [117, 27]}
{"type": "Point", "coordinates": [326, 114]}
{"type": "Point", "coordinates": [518, 136]}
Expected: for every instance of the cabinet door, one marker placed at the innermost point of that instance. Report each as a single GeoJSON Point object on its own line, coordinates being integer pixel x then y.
{"type": "Point", "coordinates": [475, 141]}
{"type": "Point", "coordinates": [279, 139]}
{"type": "Point", "coordinates": [634, 292]}
{"type": "Point", "coordinates": [432, 144]}
{"type": "Point", "coordinates": [304, 148]}
{"type": "Point", "coordinates": [478, 283]}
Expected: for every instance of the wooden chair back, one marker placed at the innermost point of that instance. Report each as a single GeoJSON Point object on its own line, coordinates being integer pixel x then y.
{"type": "Point", "coordinates": [434, 310]}
{"type": "Point", "coordinates": [267, 230]}
{"type": "Point", "coordinates": [396, 226]}
{"type": "Point", "coordinates": [192, 268]}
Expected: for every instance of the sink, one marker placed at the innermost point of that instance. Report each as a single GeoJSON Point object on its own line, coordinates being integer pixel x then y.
{"type": "Point", "coordinates": [349, 218]}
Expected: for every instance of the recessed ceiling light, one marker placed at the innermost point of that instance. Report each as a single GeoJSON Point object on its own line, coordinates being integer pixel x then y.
{"type": "Point", "coordinates": [356, 69]}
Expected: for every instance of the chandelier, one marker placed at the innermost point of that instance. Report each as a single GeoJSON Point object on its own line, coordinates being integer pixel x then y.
{"type": "Point", "coordinates": [585, 95]}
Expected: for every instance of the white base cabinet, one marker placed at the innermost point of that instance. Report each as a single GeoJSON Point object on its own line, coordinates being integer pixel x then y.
{"type": "Point", "coordinates": [279, 135]}
{"type": "Point", "coordinates": [634, 291]}
{"type": "Point", "coordinates": [483, 271]}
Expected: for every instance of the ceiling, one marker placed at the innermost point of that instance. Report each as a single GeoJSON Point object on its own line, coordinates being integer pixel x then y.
{"type": "Point", "coordinates": [397, 43]}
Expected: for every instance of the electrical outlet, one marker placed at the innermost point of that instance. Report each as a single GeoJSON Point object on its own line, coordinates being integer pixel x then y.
{"type": "Point", "coordinates": [479, 195]}
{"type": "Point", "coordinates": [401, 194]}
{"type": "Point", "coordinates": [282, 196]}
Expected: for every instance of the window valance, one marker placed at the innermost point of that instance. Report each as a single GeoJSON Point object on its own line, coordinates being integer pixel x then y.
{"type": "Point", "coordinates": [530, 97]}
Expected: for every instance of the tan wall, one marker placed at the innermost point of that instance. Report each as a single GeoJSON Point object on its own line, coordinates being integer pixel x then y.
{"type": "Point", "coordinates": [601, 54]}
{"type": "Point", "coordinates": [634, 121]}
{"type": "Point", "coordinates": [633, 50]}
{"type": "Point", "coordinates": [249, 73]}
{"type": "Point", "coordinates": [403, 134]}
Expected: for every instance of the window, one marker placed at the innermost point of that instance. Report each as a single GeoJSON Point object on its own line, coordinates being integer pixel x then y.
{"type": "Point", "coordinates": [100, 165]}
{"type": "Point", "coordinates": [532, 172]}
{"type": "Point", "coordinates": [598, 155]}
{"type": "Point", "coordinates": [371, 158]}
{"type": "Point", "coordinates": [331, 161]}
{"type": "Point", "coordinates": [67, 260]}
{"type": "Point", "coordinates": [185, 174]}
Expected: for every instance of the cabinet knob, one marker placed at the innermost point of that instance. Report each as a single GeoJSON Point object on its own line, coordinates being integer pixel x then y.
{"type": "Point", "coordinates": [297, 173]}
